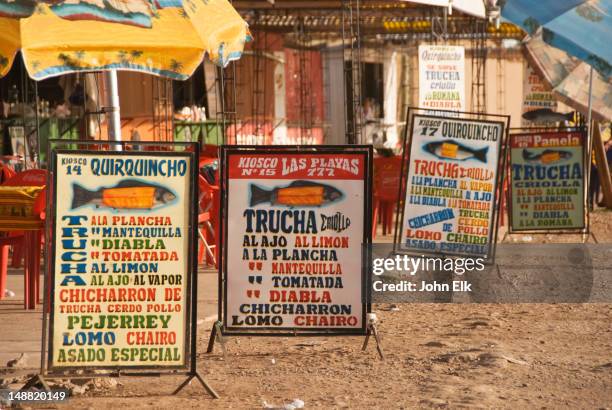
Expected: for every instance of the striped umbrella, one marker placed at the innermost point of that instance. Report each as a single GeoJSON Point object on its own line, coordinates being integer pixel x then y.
{"type": "Point", "coordinates": [568, 77]}
{"type": "Point", "coordinates": [162, 37]}
{"type": "Point", "coordinates": [582, 28]}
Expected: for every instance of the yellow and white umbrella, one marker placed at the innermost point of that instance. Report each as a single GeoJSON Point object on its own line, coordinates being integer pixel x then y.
{"type": "Point", "coordinates": [162, 37]}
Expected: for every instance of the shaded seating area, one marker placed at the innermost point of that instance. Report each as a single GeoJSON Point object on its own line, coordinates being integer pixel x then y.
{"type": "Point", "coordinates": [22, 214]}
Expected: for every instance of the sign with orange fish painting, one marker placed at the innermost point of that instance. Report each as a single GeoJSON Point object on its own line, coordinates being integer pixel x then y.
{"type": "Point", "coordinates": [451, 186]}
{"type": "Point", "coordinates": [295, 224]}
{"type": "Point", "coordinates": [122, 259]}
{"type": "Point", "coordinates": [547, 181]}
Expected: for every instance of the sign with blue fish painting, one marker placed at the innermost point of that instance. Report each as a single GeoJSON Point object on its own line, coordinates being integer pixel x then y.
{"type": "Point", "coordinates": [451, 186]}
{"type": "Point", "coordinates": [547, 181]}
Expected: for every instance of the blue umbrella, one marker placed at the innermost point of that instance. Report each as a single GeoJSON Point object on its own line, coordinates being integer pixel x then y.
{"type": "Point", "coordinates": [579, 27]}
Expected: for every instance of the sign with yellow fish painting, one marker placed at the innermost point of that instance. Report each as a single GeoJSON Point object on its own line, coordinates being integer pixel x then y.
{"type": "Point", "coordinates": [451, 186]}
{"type": "Point", "coordinates": [122, 260]}
{"type": "Point", "coordinates": [547, 181]}
{"type": "Point", "coordinates": [295, 224]}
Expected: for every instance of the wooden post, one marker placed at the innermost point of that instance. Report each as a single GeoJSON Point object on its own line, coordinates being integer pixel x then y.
{"type": "Point", "coordinates": [602, 167]}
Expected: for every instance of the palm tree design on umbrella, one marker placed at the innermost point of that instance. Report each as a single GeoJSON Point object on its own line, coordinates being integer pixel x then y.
{"type": "Point", "coordinates": [175, 65]}
{"type": "Point", "coordinates": [135, 54]}
{"type": "Point", "coordinates": [128, 57]}
{"type": "Point", "coordinates": [122, 56]}
{"type": "Point", "coordinates": [68, 61]}
{"type": "Point", "coordinates": [590, 11]}
{"type": "Point", "coordinates": [531, 25]}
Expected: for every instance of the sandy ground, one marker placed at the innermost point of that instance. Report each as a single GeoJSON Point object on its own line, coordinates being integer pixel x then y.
{"type": "Point", "coordinates": [437, 356]}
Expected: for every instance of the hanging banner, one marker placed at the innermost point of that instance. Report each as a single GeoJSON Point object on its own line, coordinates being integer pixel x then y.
{"type": "Point", "coordinates": [536, 96]}
{"type": "Point", "coordinates": [122, 259]}
{"type": "Point", "coordinates": [442, 77]}
{"type": "Point", "coordinates": [451, 186]}
{"type": "Point", "coordinates": [547, 181]}
{"type": "Point", "coordinates": [295, 224]}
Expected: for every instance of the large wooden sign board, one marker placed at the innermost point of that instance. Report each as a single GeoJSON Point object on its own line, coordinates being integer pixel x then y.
{"type": "Point", "coordinates": [451, 174]}
{"type": "Point", "coordinates": [295, 224]}
{"type": "Point", "coordinates": [548, 182]}
{"type": "Point", "coordinates": [123, 268]}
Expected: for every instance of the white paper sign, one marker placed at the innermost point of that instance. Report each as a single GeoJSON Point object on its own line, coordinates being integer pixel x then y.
{"type": "Point", "coordinates": [442, 77]}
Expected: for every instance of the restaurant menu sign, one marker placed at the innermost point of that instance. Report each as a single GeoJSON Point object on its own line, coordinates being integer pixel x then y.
{"type": "Point", "coordinates": [536, 95]}
{"type": "Point", "coordinates": [547, 181]}
{"type": "Point", "coordinates": [121, 259]}
{"type": "Point", "coordinates": [442, 77]}
{"type": "Point", "coordinates": [295, 224]}
{"type": "Point", "coordinates": [451, 185]}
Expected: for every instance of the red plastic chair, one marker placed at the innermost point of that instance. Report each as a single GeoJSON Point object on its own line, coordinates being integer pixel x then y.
{"type": "Point", "coordinates": [30, 240]}
{"type": "Point", "coordinates": [6, 173]}
{"type": "Point", "coordinates": [386, 191]}
{"type": "Point", "coordinates": [210, 151]}
{"type": "Point", "coordinates": [33, 177]}
{"type": "Point", "coordinates": [208, 224]}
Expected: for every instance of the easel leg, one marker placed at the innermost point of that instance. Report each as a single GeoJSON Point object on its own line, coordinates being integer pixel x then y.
{"type": "Point", "coordinates": [367, 339]}
{"type": "Point", "coordinates": [216, 334]}
{"type": "Point", "coordinates": [206, 386]}
{"type": "Point", "coordinates": [203, 382]}
{"type": "Point", "coordinates": [373, 331]}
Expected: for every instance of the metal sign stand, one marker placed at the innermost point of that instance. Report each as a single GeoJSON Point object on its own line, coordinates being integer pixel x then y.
{"type": "Point", "coordinates": [219, 333]}
{"type": "Point", "coordinates": [371, 330]}
{"type": "Point", "coordinates": [584, 231]}
{"type": "Point", "coordinates": [193, 371]}
{"type": "Point", "coordinates": [198, 377]}
{"type": "Point", "coordinates": [216, 334]}
{"type": "Point", "coordinates": [39, 381]}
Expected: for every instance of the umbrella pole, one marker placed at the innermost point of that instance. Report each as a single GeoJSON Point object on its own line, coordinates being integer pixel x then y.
{"type": "Point", "coordinates": [112, 108]}
{"type": "Point", "coordinates": [596, 144]}
{"type": "Point", "coordinates": [589, 135]}
{"type": "Point", "coordinates": [603, 168]}
{"type": "Point", "coordinates": [590, 107]}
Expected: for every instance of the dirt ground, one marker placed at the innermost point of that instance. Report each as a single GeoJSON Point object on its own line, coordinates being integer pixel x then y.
{"type": "Point", "coordinates": [436, 356]}
{"type": "Point", "coordinates": [476, 356]}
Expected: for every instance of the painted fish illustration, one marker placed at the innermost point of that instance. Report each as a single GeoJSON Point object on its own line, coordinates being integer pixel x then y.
{"type": "Point", "coordinates": [298, 193]}
{"type": "Point", "coordinates": [547, 115]}
{"type": "Point", "coordinates": [455, 151]}
{"type": "Point", "coordinates": [127, 194]}
{"type": "Point", "coordinates": [548, 156]}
